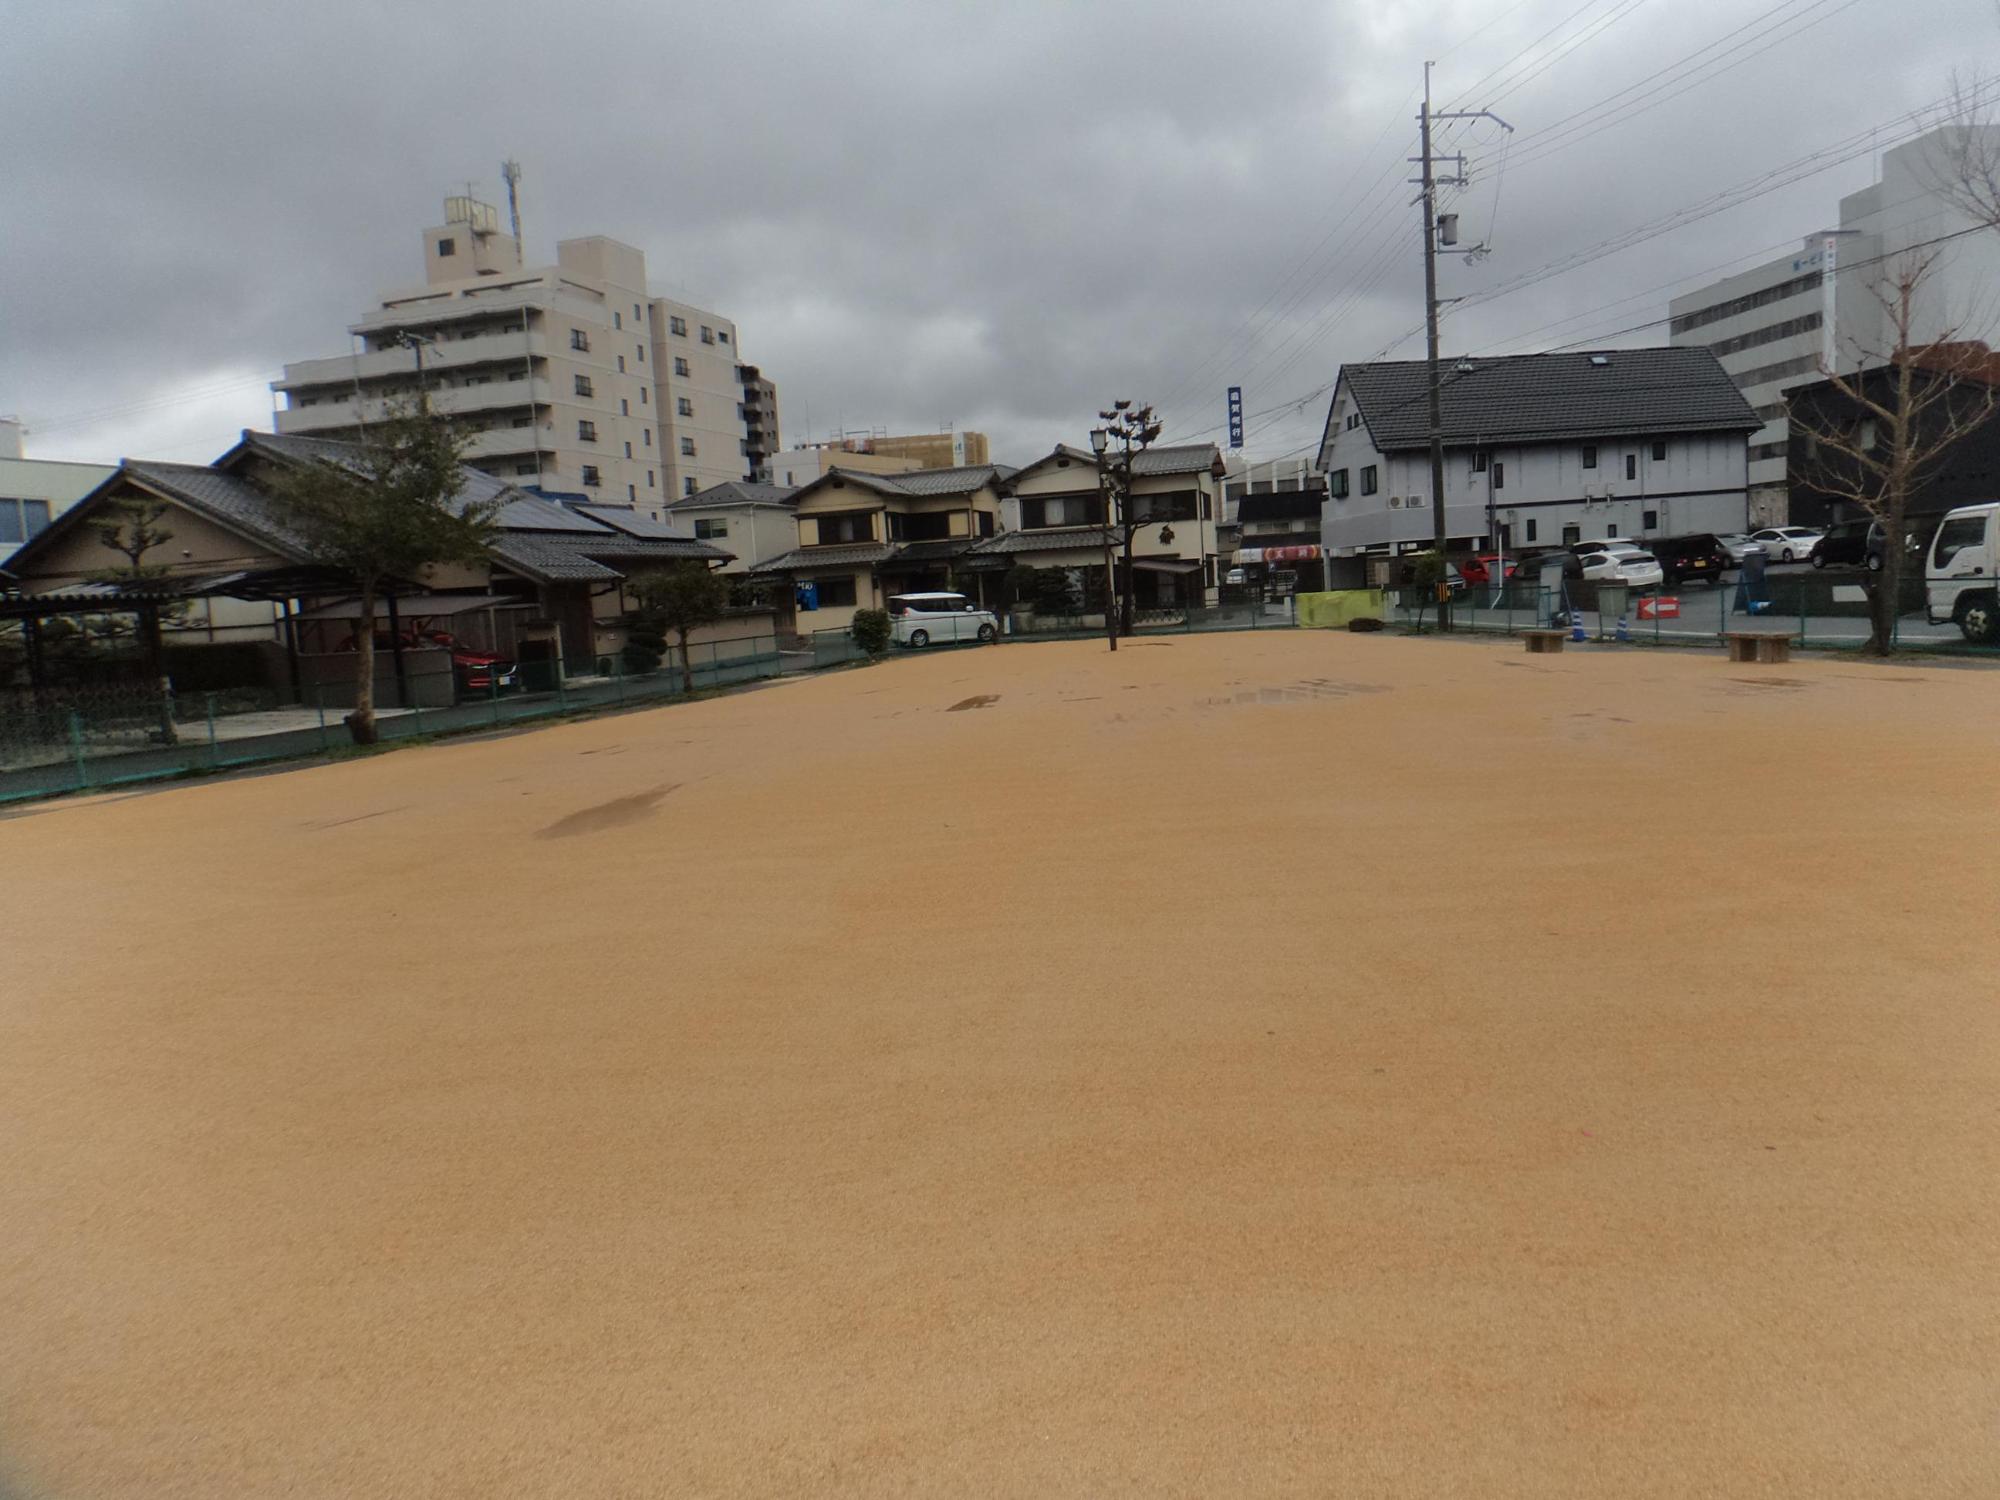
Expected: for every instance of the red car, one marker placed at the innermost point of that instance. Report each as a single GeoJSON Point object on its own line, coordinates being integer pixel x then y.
{"type": "Point", "coordinates": [475, 667]}
{"type": "Point", "coordinates": [1478, 571]}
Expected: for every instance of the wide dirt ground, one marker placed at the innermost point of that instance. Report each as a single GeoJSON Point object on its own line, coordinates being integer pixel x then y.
{"type": "Point", "coordinates": [1288, 1063]}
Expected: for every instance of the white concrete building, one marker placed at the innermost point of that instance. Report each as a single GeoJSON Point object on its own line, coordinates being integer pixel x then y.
{"type": "Point", "coordinates": [34, 491]}
{"type": "Point", "coordinates": [1781, 324]}
{"type": "Point", "coordinates": [1540, 450]}
{"type": "Point", "coordinates": [753, 522]}
{"type": "Point", "coordinates": [574, 378]}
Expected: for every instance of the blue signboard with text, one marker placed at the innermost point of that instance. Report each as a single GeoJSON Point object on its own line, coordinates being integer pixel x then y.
{"type": "Point", "coordinates": [1236, 416]}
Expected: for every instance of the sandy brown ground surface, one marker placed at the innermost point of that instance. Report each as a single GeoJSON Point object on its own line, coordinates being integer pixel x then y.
{"type": "Point", "coordinates": [1287, 1063]}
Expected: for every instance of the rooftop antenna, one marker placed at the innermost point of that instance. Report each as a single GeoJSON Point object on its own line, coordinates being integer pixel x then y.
{"type": "Point", "coordinates": [511, 171]}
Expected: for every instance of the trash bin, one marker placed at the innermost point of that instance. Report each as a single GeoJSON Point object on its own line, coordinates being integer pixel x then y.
{"type": "Point", "coordinates": [1752, 597]}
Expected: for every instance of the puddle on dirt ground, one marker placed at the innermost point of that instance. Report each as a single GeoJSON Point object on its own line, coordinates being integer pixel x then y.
{"type": "Point", "coordinates": [1311, 691]}
{"type": "Point", "coordinates": [977, 700]}
{"type": "Point", "coordinates": [612, 814]}
{"type": "Point", "coordinates": [1770, 682]}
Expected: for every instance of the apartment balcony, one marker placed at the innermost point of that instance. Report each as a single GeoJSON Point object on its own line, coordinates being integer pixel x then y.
{"type": "Point", "coordinates": [384, 364]}
{"type": "Point", "coordinates": [338, 410]}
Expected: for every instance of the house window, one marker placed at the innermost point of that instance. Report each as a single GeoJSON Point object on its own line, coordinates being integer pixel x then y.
{"type": "Point", "coordinates": [677, 325]}
{"type": "Point", "coordinates": [447, 247]}
{"type": "Point", "coordinates": [580, 340]}
{"type": "Point", "coordinates": [524, 468]}
{"type": "Point", "coordinates": [1499, 475]}
{"type": "Point", "coordinates": [1590, 455]}
{"type": "Point", "coordinates": [1336, 484]}
{"type": "Point", "coordinates": [1631, 466]}
{"type": "Point", "coordinates": [1531, 531]}
{"type": "Point", "coordinates": [590, 478]}
{"type": "Point", "coordinates": [846, 526]}
{"type": "Point", "coordinates": [1572, 535]}
{"type": "Point", "coordinates": [1062, 510]}
{"type": "Point", "coordinates": [680, 365]}
{"type": "Point", "coordinates": [617, 320]}
{"type": "Point", "coordinates": [621, 364]}
{"type": "Point", "coordinates": [586, 431]}
{"type": "Point", "coordinates": [835, 593]}
{"type": "Point", "coordinates": [1649, 520]}
{"type": "Point", "coordinates": [584, 387]}
{"type": "Point", "coordinates": [1370, 480]}
{"type": "Point", "coordinates": [1479, 461]}
{"type": "Point", "coordinates": [921, 526]}
{"type": "Point", "coordinates": [722, 335]}
{"type": "Point", "coordinates": [519, 421]}
{"type": "Point", "coordinates": [1179, 505]}
{"type": "Point", "coordinates": [1659, 453]}
{"type": "Point", "coordinates": [1353, 420]}
{"type": "Point", "coordinates": [687, 485]}
{"type": "Point", "coordinates": [687, 447]}
{"type": "Point", "coordinates": [707, 334]}
{"type": "Point", "coordinates": [708, 531]}
{"type": "Point", "coordinates": [986, 523]}
{"type": "Point", "coordinates": [684, 406]}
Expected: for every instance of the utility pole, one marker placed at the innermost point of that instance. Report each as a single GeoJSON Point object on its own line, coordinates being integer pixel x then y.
{"type": "Point", "coordinates": [1434, 229]}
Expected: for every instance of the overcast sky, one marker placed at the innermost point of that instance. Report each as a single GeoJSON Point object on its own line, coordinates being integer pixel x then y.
{"type": "Point", "coordinates": [998, 215]}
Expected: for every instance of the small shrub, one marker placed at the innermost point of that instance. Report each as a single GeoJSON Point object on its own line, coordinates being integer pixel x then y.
{"type": "Point", "coordinates": [871, 630]}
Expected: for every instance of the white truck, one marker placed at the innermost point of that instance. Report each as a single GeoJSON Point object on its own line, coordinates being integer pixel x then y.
{"type": "Point", "coordinates": [1962, 572]}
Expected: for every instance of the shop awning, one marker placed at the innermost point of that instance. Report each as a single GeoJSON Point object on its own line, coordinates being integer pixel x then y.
{"type": "Point", "coordinates": [1167, 564]}
{"type": "Point", "coordinates": [1277, 554]}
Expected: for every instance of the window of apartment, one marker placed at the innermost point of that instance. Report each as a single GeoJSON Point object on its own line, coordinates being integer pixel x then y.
{"type": "Point", "coordinates": [680, 365]}
{"type": "Point", "coordinates": [845, 526]}
{"type": "Point", "coordinates": [447, 247]}
{"type": "Point", "coordinates": [586, 431]}
{"type": "Point", "coordinates": [1770, 335]}
{"type": "Point", "coordinates": [578, 339]}
{"type": "Point", "coordinates": [1784, 290]}
{"type": "Point", "coordinates": [684, 406]}
{"type": "Point", "coordinates": [1353, 420]}
{"type": "Point", "coordinates": [1572, 535]}
{"type": "Point", "coordinates": [584, 387]}
{"type": "Point", "coordinates": [590, 477]}
{"type": "Point", "coordinates": [649, 479]}
{"type": "Point", "coordinates": [1590, 455]}
{"type": "Point", "coordinates": [647, 434]}
{"type": "Point", "coordinates": [835, 593]}
{"type": "Point", "coordinates": [635, 312]}
{"type": "Point", "coordinates": [624, 407]}
{"type": "Point", "coordinates": [985, 522]}
{"type": "Point", "coordinates": [632, 493]}
{"type": "Point", "coordinates": [621, 364]}
{"type": "Point", "coordinates": [1061, 510]}
{"type": "Point", "coordinates": [1370, 480]}
{"type": "Point", "coordinates": [722, 335]}
{"type": "Point", "coordinates": [1499, 475]}
{"type": "Point", "coordinates": [1336, 484]}
{"type": "Point", "coordinates": [628, 447]}
{"type": "Point", "coordinates": [617, 319]}
{"type": "Point", "coordinates": [708, 531]}
{"type": "Point", "coordinates": [687, 485]}
{"type": "Point", "coordinates": [642, 395]}
{"type": "Point", "coordinates": [1649, 520]}
{"type": "Point", "coordinates": [1531, 531]}
{"type": "Point", "coordinates": [678, 325]}
{"type": "Point", "coordinates": [687, 447]}
{"type": "Point", "coordinates": [307, 401]}
{"type": "Point", "coordinates": [707, 334]}
{"type": "Point", "coordinates": [642, 352]}
{"type": "Point", "coordinates": [524, 468]}
{"type": "Point", "coordinates": [22, 519]}
{"type": "Point", "coordinates": [1631, 466]}
{"type": "Point", "coordinates": [1659, 452]}
{"type": "Point", "coordinates": [521, 421]}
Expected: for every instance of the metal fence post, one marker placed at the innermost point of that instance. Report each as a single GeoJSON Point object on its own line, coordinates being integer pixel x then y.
{"type": "Point", "coordinates": [214, 755]}
{"type": "Point", "coordinates": [76, 747]}
{"type": "Point", "coordinates": [618, 676]}
{"type": "Point", "coordinates": [493, 691]}
{"type": "Point", "coordinates": [1802, 614]}
{"type": "Point", "coordinates": [319, 703]}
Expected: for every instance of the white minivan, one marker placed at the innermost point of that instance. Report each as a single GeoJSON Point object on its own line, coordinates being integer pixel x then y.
{"type": "Point", "coordinates": [1960, 572]}
{"type": "Point", "coordinates": [920, 619]}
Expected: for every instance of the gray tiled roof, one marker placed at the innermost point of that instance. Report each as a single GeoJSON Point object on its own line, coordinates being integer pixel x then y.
{"type": "Point", "coordinates": [1187, 458]}
{"type": "Point", "coordinates": [828, 557]}
{"type": "Point", "coordinates": [225, 498]}
{"type": "Point", "coordinates": [548, 557]}
{"type": "Point", "coordinates": [634, 523]}
{"type": "Point", "coordinates": [736, 492]}
{"type": "Point", "coordinates": [957, 481]}
{"type": "Point", "coordinates": [1549, 397]}
{"type": "Point", "coordinates": [935, 551]}
{"type": "Point", "coordinates": [1010, 542]}
{"type": "Point", "coordinates": [519, 508]}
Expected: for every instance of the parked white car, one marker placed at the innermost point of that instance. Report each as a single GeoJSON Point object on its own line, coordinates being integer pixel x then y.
{"type": "Point", "coordinates": [1962, 573]}
{"type": "Point", "coordinates": [1609, 544]}
{"type": "Point", "coordinates": [1736, 544]}
{"type": "Point", "coordinates": [920, 619]}
{"type": "Point", "coordinates": [1786, 543]}
{"type": "Point", "coordinates": [1639, 570]}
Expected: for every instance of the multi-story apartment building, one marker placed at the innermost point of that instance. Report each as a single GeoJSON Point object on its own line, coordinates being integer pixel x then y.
{"type": "Point", "coordinates": [1779, 325]}
{"type": "Point", "coordinates": [572, 379]}
{"type": "Point", "coordinates": [760, 422]}
{"type": "Point", "coordinates": [795, 467]}
{"type": "Point", "coordinates": [34, 491]}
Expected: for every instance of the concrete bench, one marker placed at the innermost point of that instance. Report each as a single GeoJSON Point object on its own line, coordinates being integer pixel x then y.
{"type": "Point", "coordinates": [1540, 641]}
{"type": "Point", "coordinates": [1757, 645]}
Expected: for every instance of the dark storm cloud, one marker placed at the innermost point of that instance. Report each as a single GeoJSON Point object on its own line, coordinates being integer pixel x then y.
{"type": "Point", "coordinates": [1000, 215]}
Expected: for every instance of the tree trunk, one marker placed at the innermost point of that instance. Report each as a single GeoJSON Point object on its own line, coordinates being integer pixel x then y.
{"type": "Point", "coordinates": [687, 666]}
{"type": "Point", "coordinates": [153, 652]}
{"type": "Point", "coordinates": [361, 722]}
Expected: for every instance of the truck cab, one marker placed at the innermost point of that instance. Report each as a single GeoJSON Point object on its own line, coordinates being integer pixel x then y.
{"type": "Point", "coordinates": [1961, 570]}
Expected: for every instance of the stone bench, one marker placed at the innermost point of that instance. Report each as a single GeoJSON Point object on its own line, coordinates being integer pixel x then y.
{"type": "Point", "coordinates": [1757, 645]}
{"type": "Point", "coordinates": [1540, 641]}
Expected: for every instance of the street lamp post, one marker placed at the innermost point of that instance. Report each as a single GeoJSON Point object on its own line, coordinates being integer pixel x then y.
{"type": "Point", "coordinates": [1100, 439]}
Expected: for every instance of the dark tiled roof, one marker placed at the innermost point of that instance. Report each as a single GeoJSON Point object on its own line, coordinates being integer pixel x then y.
{"type": "Point", "coordinates": [931, 551]}
{"type": "Point", "coordinates": [548, 557]}
{"type": "Point", "coordinates": [828, 557]}
{"type": "Point", "coordinates": [1549, 397]}
{"type": "Point", "coordinates": [957, 481]}
{"type": "Point", "coordinates": [1010, 542]}
{"type": "Point", "coordinates": [526, 512]}
{"type": "Point", "coordinates": [633, 523]}
{"type": "Point", "coordinates": [1188, 458]}
{"type": "Point", "coordinates": [225, 498]}
{"type": "Point", "coordinates": [1284, 505]}
{"type": "Point", "coordinates": [736, 492]}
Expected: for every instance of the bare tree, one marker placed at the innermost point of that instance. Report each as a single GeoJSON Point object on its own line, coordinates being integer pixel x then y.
{"type": "Point", "coordinates": [1893, 420]}
{"type": "Point", "coordinates": [1967, 175]}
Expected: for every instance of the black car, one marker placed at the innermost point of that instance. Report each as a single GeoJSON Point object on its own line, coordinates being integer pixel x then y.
{"type": "Point", "coordinates": [1850, 544]}
{"type": "Point", "coordinates": [1699, 555]}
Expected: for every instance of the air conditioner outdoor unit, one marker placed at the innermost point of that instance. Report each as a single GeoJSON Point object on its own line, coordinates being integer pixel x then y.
{"type": "Point", "coordinates": [1395, 502]}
